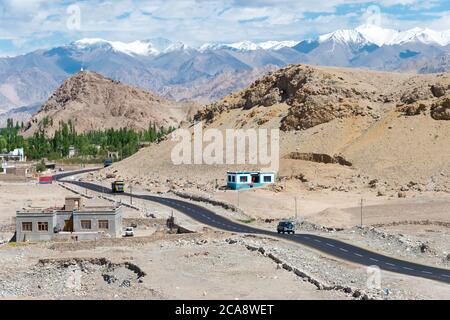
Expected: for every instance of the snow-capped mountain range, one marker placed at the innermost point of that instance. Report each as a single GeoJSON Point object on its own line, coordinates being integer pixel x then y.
{"type": "Point", "coordinates": [212, 70]}
{"type": "Point", "coordinates": [362, 35]}
{"type": "Point", "coordinates": [372, 34]}
{"type": "Point", "coordinates": [152, 48]}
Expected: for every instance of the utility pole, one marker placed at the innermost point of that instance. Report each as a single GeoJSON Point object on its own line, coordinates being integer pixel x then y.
{"type": "Point", "coordinates": [238, 197]}
{"type": "Point", "coordinates": [296, 208]}
{"type": "Point", "coordinates": [362, 203]}
{"type": "Point", "coordinates": [131, 194]}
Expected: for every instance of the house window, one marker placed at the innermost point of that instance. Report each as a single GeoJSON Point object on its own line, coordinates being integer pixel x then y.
{"type": "Point", "coordinates": [233, 178]}
{"type": "Point", "coordinates": [42, 226]}
{"type": "Point", "coordinates": [103, 224]}
{"type": "Point", "coordinates": [86, 224]}
{"type": "Point", "coordinates": [267, 179]}
{"type": "Point", "coordinates": [243, 179]}
{"type": "Point", "coordinates": [27, 226]}
{"type": "Point", "coordinates": [229, 179]}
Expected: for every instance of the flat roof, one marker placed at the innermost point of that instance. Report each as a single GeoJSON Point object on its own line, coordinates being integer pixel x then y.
{"type": "Point", "coordinates": [94, 209]}
{"type": "Point", "coordinates": [40, 209]}
{"type": "Point", "coordinates": [250, 172]}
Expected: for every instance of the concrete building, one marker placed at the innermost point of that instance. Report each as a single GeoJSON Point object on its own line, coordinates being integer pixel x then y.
{"type": "Point", "coordinates": [14, 171]}
{"type": "Point", "coordinates": [72, 152]}
{"type": "Point", "coordinates": [73, 220]}
{"type": "Point", "coordinates": [16, 155]}
{"type": "Point", "coordinates": [245, 179]}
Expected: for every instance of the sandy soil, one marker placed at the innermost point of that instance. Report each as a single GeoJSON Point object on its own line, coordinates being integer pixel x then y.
{"type": "Point", "coordinates": [339, 209]}
{"type": "Point", "coordinates": [15, 196]}
{"type": "Point", "coordinates": [176, 269]}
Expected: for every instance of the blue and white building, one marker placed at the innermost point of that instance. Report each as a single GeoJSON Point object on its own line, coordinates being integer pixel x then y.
{"type": "Point", "coordinates": [249, 179]}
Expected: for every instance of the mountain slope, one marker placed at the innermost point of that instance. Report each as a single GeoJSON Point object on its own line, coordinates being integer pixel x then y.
{"type": "Point", "coordinates": [341, 129]}
{"type": "Point", "coordinates": [93, 102]}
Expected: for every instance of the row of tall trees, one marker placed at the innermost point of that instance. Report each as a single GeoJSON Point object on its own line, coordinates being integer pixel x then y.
{"type": "Point", "coordinates": [9, 137]}
{"type": "Point", "coordinates": [95, 144]}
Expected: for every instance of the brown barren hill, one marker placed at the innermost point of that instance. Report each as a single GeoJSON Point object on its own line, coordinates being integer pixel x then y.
{"type": "Point", "coordinates": [340, 129]}
{"type": "Point", "coordinates": [93, 102]}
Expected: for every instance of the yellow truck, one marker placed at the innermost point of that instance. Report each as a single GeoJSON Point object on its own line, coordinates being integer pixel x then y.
{"type": "Point", "coordinates": [118, 186]}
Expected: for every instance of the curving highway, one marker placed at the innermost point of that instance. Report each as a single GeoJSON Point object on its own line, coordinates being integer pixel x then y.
{"type": "Point", "coordinates": [336, 248]}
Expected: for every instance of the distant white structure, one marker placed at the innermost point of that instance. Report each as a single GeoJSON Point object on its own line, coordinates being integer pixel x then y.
{"type": "Point", "coordinates": [16, 154]}
{"type": "Point", "coordinates": [72, 152]}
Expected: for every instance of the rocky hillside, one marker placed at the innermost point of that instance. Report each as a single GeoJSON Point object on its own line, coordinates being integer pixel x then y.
{"type": "Point", "coordinates": [340, 129]}
{"type": "Point", "coordinates": [317, 95]}
{"type": "Point", "coordinates": [94, 102]}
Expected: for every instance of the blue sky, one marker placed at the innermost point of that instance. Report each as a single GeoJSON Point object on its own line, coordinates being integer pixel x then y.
{"type": "Point", "coordinates": [26, 25]}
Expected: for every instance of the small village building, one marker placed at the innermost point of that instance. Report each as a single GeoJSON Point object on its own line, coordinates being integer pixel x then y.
{"type": "Point", "coordinates": [15, 155]}
{"type": "Point", "coordinates": [72, 152]}
{"type": "Point", "coordinates": [50, 166]}
{"type": "Point", "coordinates": [16, 171]}
{"type": "Point", "coordinates": [75, 219]}
{"type": "Point", "coordinates": [246, 179]}
{"type": "Point", "coordinates": [113, 155]}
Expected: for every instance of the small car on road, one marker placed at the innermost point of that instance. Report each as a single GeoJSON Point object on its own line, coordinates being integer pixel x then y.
{"type": "Point", "coordinates": [286, 227]}
{"type": "Point", "coordinates": [129, 232]}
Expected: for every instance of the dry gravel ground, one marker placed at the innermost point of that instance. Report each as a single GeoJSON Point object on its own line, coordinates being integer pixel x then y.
{"type": "Point", "coordinates": [211, 265]}
{"type": "Point", "coordinates": [196, 266]}
{"type": "Point", "coordinates": [175, 267]}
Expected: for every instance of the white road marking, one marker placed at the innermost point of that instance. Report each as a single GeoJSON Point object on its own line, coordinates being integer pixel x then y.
{"type": "Point", "coordinates": [329, 244]}
{"type": "Point", "coordinates": [307, 238]}
{"type": "Point", "coordinates": [357, 254]}
{"type": "Point", "coordinates": [373, 259]}
{"type": "Point", "coordinates": [427, 272]}
{"type": "Point", "coordinates": [445, 275]}
{"type": "Point", "coordinates": [390, 264]}
{"type": "Point", "coordinates": [342, 249]}
{"type": "Point", "coordinates": [317, 240]}
{"type": "Point", "coordinates": [411, 269]}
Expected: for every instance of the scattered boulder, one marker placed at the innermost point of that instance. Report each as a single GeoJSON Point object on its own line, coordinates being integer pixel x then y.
{"type": "Point", "coordinates": [438, 90]}
{"type": "Point", "coordinates": [373, 183]}
{"type": "Point", "coordinates": [401, 194]}
{"type": "Point", "coordinates": [415, 95]}
{"type": "Point", "coordinates": [414, 109]}
{"type": "Point", "coordinates": [441, 110]}
{"type": "Point", "coordinates": [424, 248]}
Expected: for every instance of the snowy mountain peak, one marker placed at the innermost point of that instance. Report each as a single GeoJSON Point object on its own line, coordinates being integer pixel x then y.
{"type": "Point", "coordinates": [143, 48]}
{"type": "Point", "coordinates": [346, 36]}
{"type": "Point", "coordinates": [277, 45]}
{"type": "Point", "coordinates": [176, 46]}
{"type": "Point", "coordinates": [376, 34]}
{"type": "Point", "coordinates": [244, 46]}
{"type": "Point", "coordinates": [426, 36]}
{"type": "Point", "coordinates": [248, 45]}
{"type": "Point", "coordinates": [373, 34]}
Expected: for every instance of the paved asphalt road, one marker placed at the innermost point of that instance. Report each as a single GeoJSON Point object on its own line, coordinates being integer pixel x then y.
{"type": "Point", "coordinates": [326, 245]}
